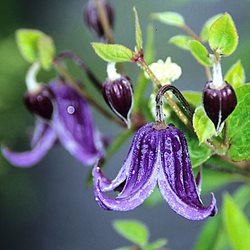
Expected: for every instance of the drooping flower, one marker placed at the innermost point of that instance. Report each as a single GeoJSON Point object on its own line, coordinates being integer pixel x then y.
{"type": "Point", "coordinates": [71, 123]}
{"type": "Point", "coordinates": [118, 94]}
{"type": "Point", "coordinates": [158, 156]}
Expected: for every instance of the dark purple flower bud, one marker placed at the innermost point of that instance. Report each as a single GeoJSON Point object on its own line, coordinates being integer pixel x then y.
{"type": "Point", "coordinates": [118, 94]}
{"type": "Point", "coordinates": [219, 103]}
{"type": "Point", "coordinates": [158, 156]}
{"type": "Point", "coordinates": [40, 102]}
{"type": "Point", "coordinates": [92, 19]}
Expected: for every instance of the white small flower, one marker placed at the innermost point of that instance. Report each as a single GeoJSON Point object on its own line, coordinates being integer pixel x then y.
{"type": "Point", "coordinates": [166, 72]}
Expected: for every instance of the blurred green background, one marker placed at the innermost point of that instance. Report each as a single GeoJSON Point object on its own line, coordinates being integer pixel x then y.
{"type": "Point", "coordinates": [49, 206]}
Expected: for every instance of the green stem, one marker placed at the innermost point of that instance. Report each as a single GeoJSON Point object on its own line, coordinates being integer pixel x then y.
{"type": "Point", "coordinates": [191, 33]}
{"type": "Point", "coordinates": [140, 60]}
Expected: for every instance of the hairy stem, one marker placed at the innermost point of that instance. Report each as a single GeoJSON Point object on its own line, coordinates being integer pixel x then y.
{"type": "Point", "coordinates": [140, 60]}
{"type": "Point", "coordinates": [79, 62]}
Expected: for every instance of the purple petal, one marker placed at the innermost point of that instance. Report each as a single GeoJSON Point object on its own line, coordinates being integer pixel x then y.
{"type": "Point", "coordinates": [176, 180]}
{"type": "Point", "coordinates": [139, 172]}
{"type": "Point", "coordinates": [74, 125]}
{"type": "Point", "coordinates": [43, 140]}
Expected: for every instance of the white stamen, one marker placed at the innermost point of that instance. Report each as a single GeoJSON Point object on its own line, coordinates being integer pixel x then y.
{"type": "Point", "coordinates": [30, 79]}
{"type": "Point", "coordinates": [112, 73]}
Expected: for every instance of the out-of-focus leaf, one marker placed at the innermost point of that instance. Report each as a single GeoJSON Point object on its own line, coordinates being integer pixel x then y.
{"type": "Point", "coordinates": [236, 223]}
{"type": "Point", "coordinates": [46, 50]}
{"type": "Point", "coordinates": [35, 45]}
{"type": "Point", "coordinates": [235, 76]}
{"type": "Point", "coordinates": [123, 248]}
{"type": "Point", "coordinates": [132, 230]}
{"type": "Point", "coordinates": [113, 52]}
{"type": "Point", "coordinates": [154, 199]}
{"type": "Point", "coordinates": [193, 97]}
{"type": "Point", "coordinates": [238, 126]}
{"type": "Point", "coordinates": [203, 126]}
{"type": "Point", "coordinates": [170, 18]}
{"type": "Point", "coordinates": [206, 27]}
{"type": "Point", "coordinates": [181, 41]}
{"type": "Point", "coordinates": [158, 244]}
{"type": "Point", "coordinates": [149, 51]}
{"type": "Point", "coordinates": [223, 37]}
{"type": "Point", "coordinates": [138, 33]}
{"type": "Point", "coordinates": [200, 53]}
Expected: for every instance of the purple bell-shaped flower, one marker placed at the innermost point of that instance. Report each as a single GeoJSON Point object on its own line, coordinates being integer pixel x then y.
{"type": "Point", "coordinates": [158, 156]}
{"type": "Point", "coordinates": [70, 122]}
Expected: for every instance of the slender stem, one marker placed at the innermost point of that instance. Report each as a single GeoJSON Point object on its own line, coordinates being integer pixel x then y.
{"type": "Point", "coordinates": [104, 20]}
{"type": "Point", "coordinates": [65, 74]}
{"type": "Point", "coordinates": [173, 105]}
{"type": "Point", "coordinates": [228, 170]}
{"type": "Point", "coordinates": [79, 62]}
{"type": "Point", "coordinates": [191, 33]}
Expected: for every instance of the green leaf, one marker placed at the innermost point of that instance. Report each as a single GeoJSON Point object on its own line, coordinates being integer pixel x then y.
{"type": "Point", "coordinates": [132, 230]}
{"type": "Point", "coordinates": [113, 52]}
{"type": "Point", "coordinates": [34, 45]}
{"type": "Point", "coordinates": [203, 126]}
{"type": "Point", "coordinates": [206, 27]}
{"type": "Point", "coordinates": [236, 223]}
{"type": "Point", "coordinates": [242, 196]}
{"type": "Point", "coordinates": [154, 199]}
{"type": "Point", "coordinates": [27, 40]}
{"type": "Point", "coordinates": [181, 41]}
{"type": "Point", "coordinates": [193, 97]}
{"type": "Point", "coordinates": [156, 245]}
{"type": "Point", "coordinates": [46, 50]}
{"type": "Point", "coordinates": [238, 124]}
{"type": "Point", "coordinates": [223, 37]}
{"type": "Point", "coordinates": [235, 76]}
{"type": "Point", "coordinates": [170, 18]}
{"type": "Point", "coordinates": [149, 51]}
{"type": "Point", "coordinates": [200, 52]}
{"type": "Point", "coordinates": [199, 153]}
{"type": "Point", "coordinates": [138, 33]}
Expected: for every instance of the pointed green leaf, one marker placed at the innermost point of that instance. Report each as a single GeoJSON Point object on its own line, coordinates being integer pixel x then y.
{"type": "Point", "coordinates": [132, 230]}
{"type": "Point", "coordinates": [181, 41]}
{"type": "Point", "coordinates": [200, 52]}
{"type": "Point", "coordinates": [113, 52]}
{"type": "Point", "coordinates": [207, 26]}
{"type": "Point", "coordinates": [238, 124]}
{"type": "Point", "coordinates": [235, 76]}
{"type": "Point", "coordinates": [170, 18]}
{"type": "Point", "coordinates": [138, 33]}
{"type": "Point", "coordinates": [27, 40]}
{"type": "Point", "coordinates": [223, 37]}
{"type": "Point", "coordinates": [34, 45]}
{"type": "Point", "coordinates": [156, 245]}
{"type": "Point", "coordinates": [46, 50]}
{"type": "Point", "coordinates": [203, 126]}
{"type": "Point", "coordinates": [149, 52]}
{"type": "Point", "coordinates": [236, 223]}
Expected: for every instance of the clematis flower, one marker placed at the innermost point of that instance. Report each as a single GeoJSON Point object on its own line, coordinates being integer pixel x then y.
{"type": "Point", "coordinates": [158, 156]}
{"type": "Point", "coordinates": [71, 124]}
